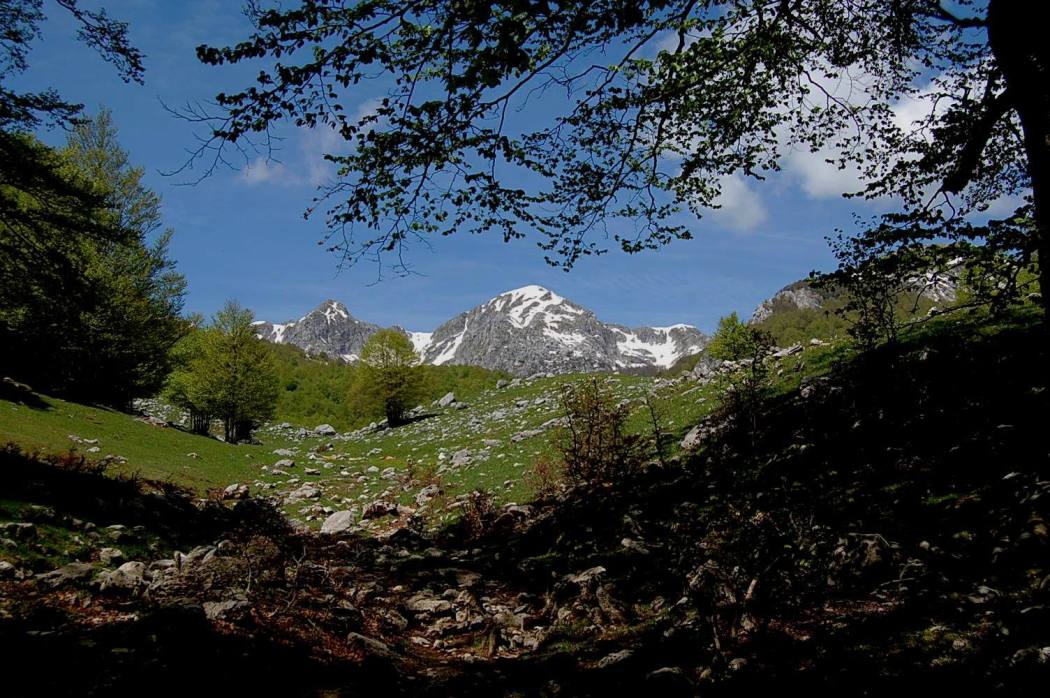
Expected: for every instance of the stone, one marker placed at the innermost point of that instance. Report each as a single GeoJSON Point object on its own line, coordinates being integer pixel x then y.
{"type": "Point", "coordinates": [284, 463]}
{"type": "Point", "coordinates": [527, 434]}
{"type": "Point", "coordinates": [369, 645]}
{"type": "Point", "coordinates": [588, 575]}
{"type": "Point", "coordinates": [379, 509]}
{"type": "Point", "coordinates": [611, 660]}
{"type": "Point", "coordinates": [235, 491]}
{"type": "Point", "coordinates": [693, 439]}
{"type": "Point", "coordinates": [634, 546]}
{"type": "Point", "coordinates": [340, 522]}
{"type": "Point", "coordinates": [73, 573]}
{"type": "Point", "coordinates": [110, 556]}
{"type": "Point", "coordinates": [19, 530]}
{"type": "Point", "coordinates": [229, 610]}
{"type": "Point", "coordinates": [424, 604]}
{"type": "Point", "coordinates": [426, 494]}
{"type": "Point", "coordinates": [325, 430]}
{"type": "Point", "coordinates": [446, 399]}
{"type": "Point", "coordinates": [284, 452]}
{"type": "Point", "coordinates": [789, 351]}
{"type": "Point", "coordinates": [304, 492]}
{"type": "Point", "coordinates": [7, 570]}
{"type": "Point", "coordinates": [126, 580]}
{"type": "Point", "coordinates": [669, 681]}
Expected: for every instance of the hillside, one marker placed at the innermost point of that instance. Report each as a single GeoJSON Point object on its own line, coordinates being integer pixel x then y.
{"type": "Point", "coordinates": [847, 542]}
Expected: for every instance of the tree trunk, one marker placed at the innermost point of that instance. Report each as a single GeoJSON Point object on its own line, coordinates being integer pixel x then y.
{"type": "Point", "coordinates": [1018, 42]}
{"type": "Point", "coordinates": [199, 423]}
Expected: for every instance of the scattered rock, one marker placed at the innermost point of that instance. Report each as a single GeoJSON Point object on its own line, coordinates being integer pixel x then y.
{"type": "Point", "coordinates": [669, 681]}
{"type": "Point", "coordinates": [426, 494]}
{"type": "Point", "coordinates": [7, 570]}
{"type": "Point", "coordinates": [370, 645]}
{"type": "Point", "coordinates": [235, 491]}
{"type": "Point", "coordinates": [379, 509]}
{"type": "Point", "coordinates": [424, 604]}
{"type": "Point", "coordinates": [340, 522]}
{"type": "Point", "coordinates": [304, 492]}
{"type": "Point", "coordinates": [694, 438]}
{"type": "Point", "coordinates": [19, 530]}
{"type": "Point", "coordinates": [126, 580]}
{"type": "Point", "coordinates": [325, 430]}
{"type": "Point", "coordinates": [73, 573]}
{"type": "Point", "coordinates": [110, 556]}
{"type": "Point", "coordinates": [611, 660]}
{"type": "Point", "coordinates": [446, 399]}
{"type": "Point", "coordinates": [229, 610]}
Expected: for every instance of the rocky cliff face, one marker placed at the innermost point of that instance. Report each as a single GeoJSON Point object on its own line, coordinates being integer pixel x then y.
{"type": "Point", "coordinates": [525, 331]}
{"type": "Point", "coordinates": [799, 295]}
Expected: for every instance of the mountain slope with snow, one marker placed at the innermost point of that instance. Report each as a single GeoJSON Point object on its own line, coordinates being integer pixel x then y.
{"type": "Point", "coordinates": [534, 330]}
{"type": "Point", "coordinates": [525, 331]}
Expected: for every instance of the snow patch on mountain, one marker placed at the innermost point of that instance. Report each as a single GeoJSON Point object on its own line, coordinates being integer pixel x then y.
{"type": "Point", "coordinates": [420, 340]}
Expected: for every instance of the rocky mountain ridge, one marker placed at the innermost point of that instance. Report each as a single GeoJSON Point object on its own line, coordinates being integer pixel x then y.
{"type": "Point", "coordinates": [525, 331]}
{"type": "Point", "coordinates": [939, 286]}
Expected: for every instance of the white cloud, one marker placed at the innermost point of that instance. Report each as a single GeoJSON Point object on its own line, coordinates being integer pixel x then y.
{"type": "Point", "coordinates": [741, 208]}
{"type": "Point", "coordinates": [304, 164]}
{"type": "Point", "coordinates": [820, 179]}
{"type": "Point", "coordinates": [264, 171]}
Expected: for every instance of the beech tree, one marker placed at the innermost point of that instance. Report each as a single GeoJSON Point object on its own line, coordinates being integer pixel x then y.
{"type": "Point", "coordinates": [224, 371]}
{"type": "Point", "coordinates": [612, 117]}
{"type": "Point", "coordinates": [389, 375]}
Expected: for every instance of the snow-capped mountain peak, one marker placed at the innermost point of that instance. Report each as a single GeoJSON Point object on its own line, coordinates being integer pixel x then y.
{"type": "Point", "coordinates": [524, 331]}
{"type": "Point", "coordinates": [524, 305]}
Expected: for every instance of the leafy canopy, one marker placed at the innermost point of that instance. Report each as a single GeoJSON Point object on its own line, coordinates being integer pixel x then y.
{"type": "Point", "coordinates": [226, 372]}
{"type": "Point", "coordinates": [578, 122]}
{"type": "Point", "coordinates": [390, 377]}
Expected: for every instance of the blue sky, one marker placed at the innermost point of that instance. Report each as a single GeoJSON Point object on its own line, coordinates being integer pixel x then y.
{"type": "Point", "coordinates": [241, 234]}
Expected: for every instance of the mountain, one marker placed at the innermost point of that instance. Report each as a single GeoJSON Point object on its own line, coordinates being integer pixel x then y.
{"type": "Point", "coordinates": [525, 331]}
{"type": "Point", "coordinates": [329, 328]}
{"type": "Point", "coordinates": [533, 330]}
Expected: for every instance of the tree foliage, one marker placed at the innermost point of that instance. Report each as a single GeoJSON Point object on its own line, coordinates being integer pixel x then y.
{"type": "Point", "coordinates": [88, 297]}
{"type": "Point", "coordinates": [389, 375]}
{"type": "Point", "coordinates": [225, 372]}
{"type": "Point", "coordinates": [618, 115]}
{"type": "Point", "coordinates": [92, 312]}
{"type": "Point", "coordinates": [744, 387]}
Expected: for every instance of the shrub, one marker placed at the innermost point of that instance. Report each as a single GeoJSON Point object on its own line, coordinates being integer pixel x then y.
{"type": "Point", "coordinates": [479, 511]}
{"type": "Point", "coordinates": [546, 477]}
{"type": "Point", "coordinates": [747, 384]}
{"type": "Point", "coordinates": [594, 442]}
